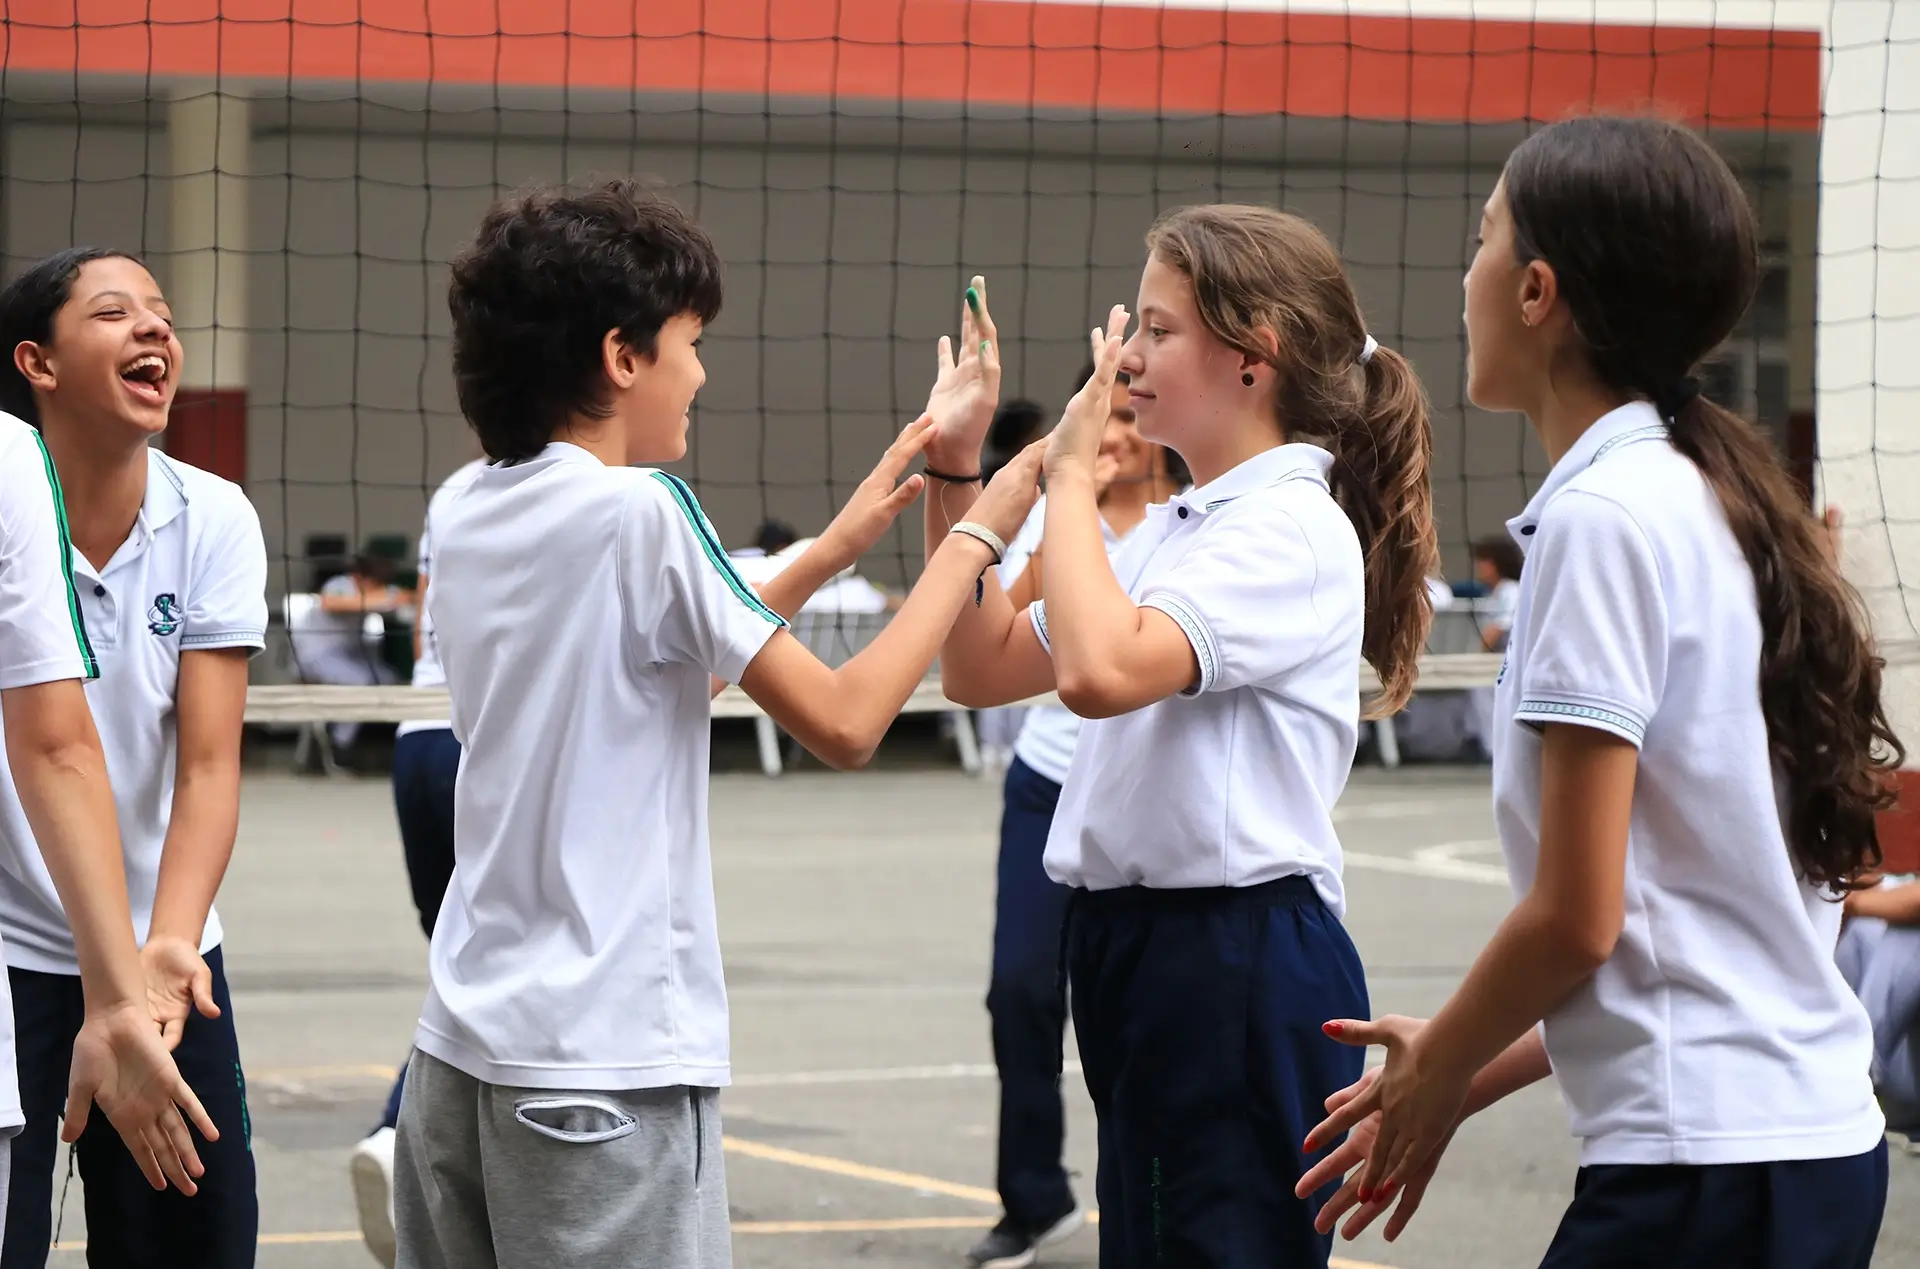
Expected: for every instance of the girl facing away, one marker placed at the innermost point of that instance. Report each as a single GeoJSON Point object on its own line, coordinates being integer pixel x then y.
{"type": "Point", "coordinates": [1215, 659]}
{"type": "Point", "coordinates": [1689, 751]}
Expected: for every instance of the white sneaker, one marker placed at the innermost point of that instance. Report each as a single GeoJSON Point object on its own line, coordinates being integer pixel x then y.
{"type": "Point", "coordinates": [371, 1167]}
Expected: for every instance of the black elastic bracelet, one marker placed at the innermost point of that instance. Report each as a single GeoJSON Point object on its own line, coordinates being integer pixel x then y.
{"type": "Point", "coordinates": [951, 480]}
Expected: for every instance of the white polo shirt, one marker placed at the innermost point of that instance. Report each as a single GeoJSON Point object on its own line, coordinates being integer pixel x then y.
{"type": "Point", "coordinates": [1720, 1030]}
{"type": "Point", "coordinates": [42, 636]}
{"type": "Point", "coordinates": [579, 610]}
{"type": "Point", "coordinates": [191, 575]}
{"type": "Point", "coordinates": [1232, 782]}
{"type": "Point", "coordinates": [426, 666]}
{"type": "Point", "coordinates": [1049, 732]}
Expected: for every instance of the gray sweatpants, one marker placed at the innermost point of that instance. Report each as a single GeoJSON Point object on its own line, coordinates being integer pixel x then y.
{"type": "Point", "coordinates": [491, 1177]}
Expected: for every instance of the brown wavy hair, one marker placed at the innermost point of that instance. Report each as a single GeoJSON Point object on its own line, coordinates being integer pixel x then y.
{"type": "Point", "coordinates": [1655, 250]}
{"type": "Point", "coordinates": [1257, 272]}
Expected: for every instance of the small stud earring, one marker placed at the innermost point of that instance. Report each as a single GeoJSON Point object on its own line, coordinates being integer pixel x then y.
{"type": "Point", "coordinates": [1247, 378]}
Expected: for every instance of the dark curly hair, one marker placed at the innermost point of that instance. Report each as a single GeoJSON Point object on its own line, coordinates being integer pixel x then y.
{"type": "Point", "coordinates": [548, 274]}
{"type": "Point", "coordinates": [1654, 248]}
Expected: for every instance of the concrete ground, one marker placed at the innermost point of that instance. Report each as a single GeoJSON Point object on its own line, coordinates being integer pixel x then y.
{"type": "Point", "coordinates": [855, 912]}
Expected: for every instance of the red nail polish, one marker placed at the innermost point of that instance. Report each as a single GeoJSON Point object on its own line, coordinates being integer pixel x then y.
{"type": "Point", "coordinates": [1333, 1028]}
{"type": "Point", "coordinates": [1366, 1195]}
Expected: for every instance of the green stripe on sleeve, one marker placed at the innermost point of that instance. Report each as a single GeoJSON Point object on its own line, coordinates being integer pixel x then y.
{"type": "Point", "coordinates": [91, 663]}
{"type": "Point", "coordinates": [690, 507]}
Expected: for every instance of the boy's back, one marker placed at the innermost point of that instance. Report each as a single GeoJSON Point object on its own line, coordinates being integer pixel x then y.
{"type": "Point", "coordinates": [579, 610]}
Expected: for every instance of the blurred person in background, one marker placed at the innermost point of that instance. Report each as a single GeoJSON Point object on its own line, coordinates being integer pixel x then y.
{"type": "Point", "coordinates": [1024, 998]}
{"type": "Point", "coordinates": [1016, 424]}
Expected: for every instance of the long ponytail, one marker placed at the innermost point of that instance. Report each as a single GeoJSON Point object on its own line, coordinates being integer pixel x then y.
{"type": "Point", "coordinates": [1827, 729]}
{"type": "Point", "coordinates": [1655, 251]}
{"type": "Point", "coordinates": [1270, 285]}
{"type": "Point", "coordinates": [1382, 479]}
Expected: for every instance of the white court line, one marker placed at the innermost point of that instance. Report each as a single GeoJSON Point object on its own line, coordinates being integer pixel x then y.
{"type": "Point", "coordinates": [1443, 869]}
{"type": "Point", "coordinates": [1408, 810]}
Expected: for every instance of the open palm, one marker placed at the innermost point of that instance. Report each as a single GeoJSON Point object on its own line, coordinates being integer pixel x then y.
{"type": "Point", "coordinates": [967, 389]}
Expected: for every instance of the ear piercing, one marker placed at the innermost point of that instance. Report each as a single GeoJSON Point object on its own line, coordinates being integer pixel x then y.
{"type": "Point", "coordinates": [1247, 378]}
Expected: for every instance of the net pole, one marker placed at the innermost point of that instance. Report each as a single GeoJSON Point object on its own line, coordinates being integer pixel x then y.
{"type": "Point", "coordinates": [1867, 325]}
{"type": "Point", "coordinates": [209, 145]}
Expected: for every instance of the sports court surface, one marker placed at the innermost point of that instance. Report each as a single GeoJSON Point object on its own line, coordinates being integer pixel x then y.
{"type": "Point", "coordinates": [855, 913]}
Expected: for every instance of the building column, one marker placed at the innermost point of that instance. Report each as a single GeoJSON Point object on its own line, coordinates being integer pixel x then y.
{"type": "Point", "coordinates": [1868, 378]}
{"type": "Point", "coordinates": [210, 138]}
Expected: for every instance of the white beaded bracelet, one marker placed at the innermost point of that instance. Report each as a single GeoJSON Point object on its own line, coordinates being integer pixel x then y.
{"type": "Point", "coordinates": [981, 533]}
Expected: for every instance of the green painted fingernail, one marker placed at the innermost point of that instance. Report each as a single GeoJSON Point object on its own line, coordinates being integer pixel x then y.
{"type": "Point", "coordinates": [973, 299]}
{"type": "Point", "coordinates": [983, 348]}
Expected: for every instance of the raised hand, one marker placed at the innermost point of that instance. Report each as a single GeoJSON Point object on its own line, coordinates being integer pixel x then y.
{"type": "Point", "coordinates": [878, 501]}
{"type": "Point", "coordinates": [967, 389]}
{"type": "Point", "coordinates": [1419, 1105]}
{"type": "Point", "coordinates": [1006, 503]}
{"type": "Point", "coordinates": [121, 1064]}
{"type": "Point", "coordinates": [1075, 443]}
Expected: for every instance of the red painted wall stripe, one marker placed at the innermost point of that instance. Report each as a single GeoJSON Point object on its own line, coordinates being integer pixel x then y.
{"type": "Point", "coordinates": [1015, 53]}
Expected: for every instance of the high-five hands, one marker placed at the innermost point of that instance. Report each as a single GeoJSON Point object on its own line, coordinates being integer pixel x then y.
{"type": "Point", "coordinates": [1008, 501]}
{"type": "Point", "coordinates": [1074, 445]}
{"type": "Point", "coordinates": [879, 500]}
{"type": "Point", "coordinates": [967, 390]}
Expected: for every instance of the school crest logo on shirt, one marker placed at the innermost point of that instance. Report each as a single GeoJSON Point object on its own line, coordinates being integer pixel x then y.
{"type": "Point", "coordinates": [164, 617]}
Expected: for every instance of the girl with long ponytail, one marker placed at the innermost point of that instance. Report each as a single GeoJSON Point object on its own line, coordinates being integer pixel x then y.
{"type": "Point", "coordinates": [1216, 658]}
{"type": "Point", "coordinates": [1689, 751]}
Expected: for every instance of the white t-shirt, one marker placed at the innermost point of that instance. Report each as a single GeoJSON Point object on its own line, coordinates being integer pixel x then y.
{"type": "Point", "coordinates": [1049, 732]}
{"type": "Point", "coordinates": [426, 666]}
{"type": "Point", "coordinates": [1232, 782]}
{"type": "Point", "coordinates": [1720, 1030]}
{"type": "Point", "coordinates": [42, 636]}
{"type": "Point", "coordinates": [579, 610]}
{"type": "Point", "coordinates": [192, 575]}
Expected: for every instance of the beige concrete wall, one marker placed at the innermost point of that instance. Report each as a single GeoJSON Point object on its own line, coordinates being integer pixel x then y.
{"type": "Point", "coordinates": [843, 268]}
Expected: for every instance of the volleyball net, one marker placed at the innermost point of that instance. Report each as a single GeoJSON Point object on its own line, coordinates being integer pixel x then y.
{"type": "Point", "coordinates": [298, 172]}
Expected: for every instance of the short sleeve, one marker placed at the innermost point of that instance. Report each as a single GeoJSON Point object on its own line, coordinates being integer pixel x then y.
{"type": "Point", "coordinates": [1593, 647]}
{"type": "Point", "coordinates": [1244, 596]}
{"type": "Point", "coordinates": [228, 606]}
{"type": "Point", "coordinates": [42, 636]}
{"type": "Point", "coordinates": [684, 600]}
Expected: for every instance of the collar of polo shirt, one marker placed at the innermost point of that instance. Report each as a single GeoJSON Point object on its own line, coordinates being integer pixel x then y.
{"type": "Point", "coordinates": [1634, 421]}
{"type": "Point", "coordinates": [1295, 461]}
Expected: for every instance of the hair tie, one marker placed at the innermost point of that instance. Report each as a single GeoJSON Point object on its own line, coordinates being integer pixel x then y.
{"type": "Point", "coordinates": [1369, 348]}
{"type": "Point", "coordinates": [1672, 400]}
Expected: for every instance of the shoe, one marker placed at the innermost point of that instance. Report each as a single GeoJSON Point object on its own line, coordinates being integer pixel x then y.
{"type": "Point", "coordinates": [372, 1170]}
{"type": "Point", "coordinates": [1011, 1246]}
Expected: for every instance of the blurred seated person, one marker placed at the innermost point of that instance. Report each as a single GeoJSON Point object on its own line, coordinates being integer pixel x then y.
{"type": "Point", "coordinates": [775, 545]}
{"type": "Point", "coordinates": [332, 645]}
{"type": "Point", "coordinates": [771, 538]}
{"type": "Point", "coordinates": [1879, 956]}
{"type": "Point", "coordinates": [1496, 567]}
